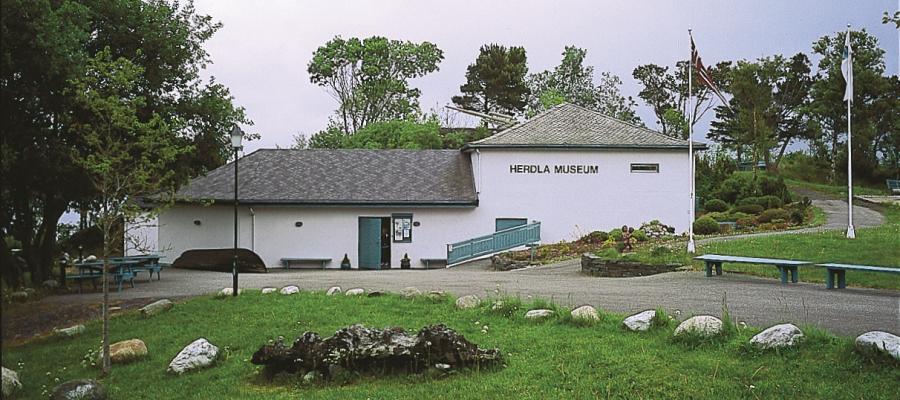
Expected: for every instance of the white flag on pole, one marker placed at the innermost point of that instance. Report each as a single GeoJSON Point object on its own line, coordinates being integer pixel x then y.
{"type": "Point", "coordinates": [847, 68]}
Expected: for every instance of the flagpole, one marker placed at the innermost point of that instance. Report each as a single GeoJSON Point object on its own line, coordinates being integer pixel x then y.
{"type": "Point", "coordinates": [691, 247]}
{"type": "Point", "coordinates": [851, 233]}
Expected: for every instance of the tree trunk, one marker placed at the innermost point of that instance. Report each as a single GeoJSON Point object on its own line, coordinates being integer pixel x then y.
{"type": "Point", "coordinates": [105, 306]}
{"type": "Point", "coordinates": [45, 240]}
{"type": "Point", "coordinates": [781, 154]}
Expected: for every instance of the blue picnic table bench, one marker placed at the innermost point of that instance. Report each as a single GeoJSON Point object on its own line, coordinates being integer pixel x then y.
{"type": "Point", "coordinates": [119, 269]}
{"type": "Point", "coordinates": [834, 270]}
{"type": "Point", "coordinates": [785, 266]}
{"type": "Point", "coordinates": [894, 186]}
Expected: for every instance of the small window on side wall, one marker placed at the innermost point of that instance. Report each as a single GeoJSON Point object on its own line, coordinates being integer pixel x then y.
{"type": "Point", "coordinates": [645, 168]}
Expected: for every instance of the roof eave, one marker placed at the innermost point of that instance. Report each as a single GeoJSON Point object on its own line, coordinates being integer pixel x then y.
{"type": "Point", "coordinates": [469, 146]}
{"type": "Point", "coordinates": [333, 203]}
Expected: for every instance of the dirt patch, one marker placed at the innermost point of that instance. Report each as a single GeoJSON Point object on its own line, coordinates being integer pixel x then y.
{"type": "Point", "coordinates": [22, 323]}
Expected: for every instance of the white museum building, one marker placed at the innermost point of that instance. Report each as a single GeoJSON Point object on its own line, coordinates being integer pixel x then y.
{"type": "Point", "coordinates": [557, 176]}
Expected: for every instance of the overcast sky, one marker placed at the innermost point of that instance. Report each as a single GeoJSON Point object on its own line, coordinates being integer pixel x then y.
{"type": "Point", "coordinates": [263, 49]}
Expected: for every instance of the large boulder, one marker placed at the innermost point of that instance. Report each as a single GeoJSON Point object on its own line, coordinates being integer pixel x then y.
{"type": "Point", "coordinates": [156, 307]}
{"type": "Point", "coordinates": [878, 342]}
{"type": "Point", "coordinates": [127, 351]}
{"type": "Point", "coordinates": [467, 302]}
{"type": "Point", "coordinates": [69, 332]}
{"type": "Point", "coordinates": [539, 314]}
{"type": "Point", "coordinates": [197, 355]}
{"type": "Point", "coordinates": [373, 350]}
{"type": "Point", "coordinates": [290, 290]}
{"type": "Point", "coordinates": [586, 313]}
{"type": "Point", "coordinates": [334, 290]}
{"type": "Point", "coordinates": [640, 322]}
{"type": "Point", "coordinates": [79, 389]}
{"type": "Point", "coordinates": [701, 325]}
{"type": "Point", "coordinates": [410, 292]}
{"type": "Point", "coordinates": [11, 383]}
{"type": "Point", "coordinates": [355, 292]}
{"type": "Point", "coordinates": [778, 336]}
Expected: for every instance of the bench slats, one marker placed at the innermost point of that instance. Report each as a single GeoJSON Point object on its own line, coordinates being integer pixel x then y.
{"type": "Point", "coordinates": [749, 260]}
{"type": "Point", "coordinates": [860, 268]}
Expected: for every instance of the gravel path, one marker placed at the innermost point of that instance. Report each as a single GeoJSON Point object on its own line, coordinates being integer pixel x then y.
{"type": "Point", "coordinates": [757, 301]}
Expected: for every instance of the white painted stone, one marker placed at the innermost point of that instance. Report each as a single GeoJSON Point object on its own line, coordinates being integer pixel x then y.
{"type": "Point", "coordinates": [268, 290]}
{"type": "Point", "coordinates": [410, 292]}
{"type": "Point", "coordinates": [11, 382]}
{"type": "Point", "coordinates": [703, 325]}
{"type": "Point", "coordinates": [334, 290]}
{"type": "Point", "coordinates": [879, 342]}
{"type": "Point", "coordinates": [290, 290]}
{"type": "Point", "coordinates": [226, 292]}
{"type": "Point", "coordinates": [199, 354]}
{"type": "Point", "coordinates": [641, 321]}
{"type": "Point", "coordinates": [586, 312]}
{"type": "Point", "coordinates": [783, 335]}
{"type": "Point", "coordinates": [467, 302]}
{"type": "Point", "coordinates": [156, 307]}
{"type": "Point", "coordinates": [355, 292]}
{"type": "Point", "coordinates": [71, 331]}
{"type": "Point", "coordinates": [539, 314]}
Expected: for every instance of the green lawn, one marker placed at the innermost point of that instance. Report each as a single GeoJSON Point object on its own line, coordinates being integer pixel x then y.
{"type": "Point", "coordinates": [554, 359]}
{"type": "Point", "coordinates": [872, 246]}
{"type": "Point", "coordinates": [839, 190]}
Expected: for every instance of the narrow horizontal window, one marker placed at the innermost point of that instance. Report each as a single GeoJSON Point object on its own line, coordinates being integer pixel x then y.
{"type": "Point", "coordinates": [654, 168]}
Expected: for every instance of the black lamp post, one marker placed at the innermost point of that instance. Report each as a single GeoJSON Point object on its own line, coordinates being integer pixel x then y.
{"type": "Point", "coordinates": [236, 136]}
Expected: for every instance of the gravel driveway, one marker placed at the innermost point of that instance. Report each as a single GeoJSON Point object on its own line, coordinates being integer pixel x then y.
{"type": "Point", "coordinates": [757, 301]}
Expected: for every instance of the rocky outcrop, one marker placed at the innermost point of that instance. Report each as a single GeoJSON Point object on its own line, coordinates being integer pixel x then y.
{"type": "Point", "coordinates": [156, 307]}
{"type": "Point", "coordinates": [79, 389]}
{"type": "Point", "coordinates": [701, 325]}
{"type": "Point", "coordinates": [127, 351]}
{"type": "Point", "coordinates": [778, 336]}
{"type": "Point", "coordinates": [197, 355]}
{"type": "Point", "coordinates": [365, 350]}
{"type": "Point", "coordinates": [11, 383]}
{"type": "Point", "coordinates": [503, 262]}
{"type": "Point", "coordinates": [467, 302]}
{"type": "Point", "coordinates": [594, 265]}
{"type": "Point", "coordinates": [879, 343]}
{"type": "Point", "coordinates": [586, 313]}
{"type": "Point", "coordinates": [640, 322]}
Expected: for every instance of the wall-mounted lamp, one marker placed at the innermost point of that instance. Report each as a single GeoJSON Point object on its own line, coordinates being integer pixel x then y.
{"type": "Point", "coordinates": [197, 222]}
{"type": "Point", "coordinates": [298, 224]}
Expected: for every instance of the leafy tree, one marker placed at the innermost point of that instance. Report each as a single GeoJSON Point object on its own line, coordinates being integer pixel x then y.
{"type": "Point", "coordinates": [495, 82]}
{"type": "Point", "coordinates": [397, 134]}
{"type": "Point", "coordinates": [124, 154]}
{"type": "Point", "coordinates": [46, 46]}
{"type": "Point", "coordinates": [891, 19]}
{"type": "Point", "coordinates": [828, 108]}
{"type": "Point", "coordinates": [369, 78]}
{"type": "Point", "coordinates": [573, 82]}
{"type": "Point", "coordinates": [667, 94]}
{"type": "Point", "coordinates": [332, 137]}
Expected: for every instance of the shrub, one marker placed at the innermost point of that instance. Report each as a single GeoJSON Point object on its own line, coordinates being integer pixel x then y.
{"type": "Point", "coordinates": [715, 205]}
{"type": "Point", "coordinates": [734, 216]}
{"type": "Point", "coordinates": [748, 209]}
{"type": "Point", "coordinates": [595, 237]}
{"type": "Point", "coordinates": [745, 222]}
{"type": "Point", "coordinates": [766, 202]}
{"type": "Point", "coordinates": [741, 185]}
{"type": "Point", "coordinates": [660, 251]}
{"type": "Point", "coordinates": [639, 235]}
{"type": "Point", "coordinates": [616, 234]}
{"type": "Point", "coordinates": [705, 226]}
{"type": "Point", "coordinates": [719, 216]}
{"type": "Point", "coordinates": [774, 214]}
{"type": "Point", "coordinates": [798, 217]}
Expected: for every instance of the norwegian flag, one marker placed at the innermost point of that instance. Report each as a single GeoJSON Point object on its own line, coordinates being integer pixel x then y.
{"type": "Point", "coordinates": [703, 73]}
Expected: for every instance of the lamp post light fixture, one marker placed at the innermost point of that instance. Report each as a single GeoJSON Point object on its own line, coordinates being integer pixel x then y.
{"type": "Point", "coordinates": [236, 136]}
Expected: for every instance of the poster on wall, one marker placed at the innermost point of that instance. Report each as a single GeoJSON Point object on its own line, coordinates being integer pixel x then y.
{"type": "Point", "coordinates": [402, 228]}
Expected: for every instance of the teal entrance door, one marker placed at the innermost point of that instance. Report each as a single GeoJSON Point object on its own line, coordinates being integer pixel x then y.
{"type": "Point", "coordinates": [370, 242]}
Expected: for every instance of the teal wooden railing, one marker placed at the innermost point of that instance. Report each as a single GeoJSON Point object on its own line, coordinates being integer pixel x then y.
{"type": "Point", "coordinates": [493, 243]}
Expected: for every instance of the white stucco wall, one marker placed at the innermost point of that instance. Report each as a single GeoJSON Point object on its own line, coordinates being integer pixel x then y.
{"type": "Point", "coordinates": [571, 205]}
{"type": "Point", "coordinates": [568, 206]}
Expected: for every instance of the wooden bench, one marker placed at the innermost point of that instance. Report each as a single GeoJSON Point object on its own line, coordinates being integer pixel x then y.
{"type": "Point", "coordinates": [86, 276]}
{"type": "Point", "coordinates": [429, 261]}
{"type": "Point", "coordinates": [785, 266]}
{"type": "Point", "coordinates": [893, 186]}
{"type": "Point", "coordinates": [839, 271]}
{"type": "Point", "coordinates": [151, 268]}
{"type": "Point", "coordinates": [287, 261]}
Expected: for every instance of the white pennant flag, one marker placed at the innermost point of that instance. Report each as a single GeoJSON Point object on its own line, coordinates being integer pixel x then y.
{"type": "Point", "coordinates": [847, 68]}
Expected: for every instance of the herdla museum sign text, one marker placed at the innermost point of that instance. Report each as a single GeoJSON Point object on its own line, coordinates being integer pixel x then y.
{"type": "Point", "coordinates": [553, 169]}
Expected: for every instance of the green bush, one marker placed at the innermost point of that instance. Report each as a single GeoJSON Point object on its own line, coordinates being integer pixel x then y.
{"type": "Point", "coordinates": [774, 214]}
{"type": "Point", "coordinates": [745, 222]}
{"type": "Point", "coordinates": [595, 237]}
{"type": "Point", "coordinates": [660, 251]}
{"type": "Point", "coordinates": [734, 216]}
{"type": "Point", "coordinates": [616, 234]}
{"type": "Point", "coordinates": [741, 185]}
{"type": "Point", "coordinates": [705, 226]}
{"type": "Point", "coordinates": [766, 202]}
{"type": "Point", "coordinates": [748, 209]}
{"type": "Point", "coordinates": [798, 217]}
{"type": "Point", "coordinates": [639, 235]}
{"type": "Point", "coordinates": [718, 216]}
{"type": "Point", "coordinates": [715, 205]}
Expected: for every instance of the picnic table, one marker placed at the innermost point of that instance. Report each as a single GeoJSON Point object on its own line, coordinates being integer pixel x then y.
{"type": "Point", "coordinates": [146, 262]}
{"type": "Point", "coordinates": [785, 266]}
{"type": "Point", "coordinates": [119, 268]}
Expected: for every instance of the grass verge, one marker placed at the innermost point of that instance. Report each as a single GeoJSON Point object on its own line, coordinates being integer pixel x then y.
{"type": "Point", "coordinates": [550, 359]}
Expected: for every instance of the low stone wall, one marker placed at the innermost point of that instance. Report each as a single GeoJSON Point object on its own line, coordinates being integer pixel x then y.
{"type": "Point", "coordinates": [597, 266]}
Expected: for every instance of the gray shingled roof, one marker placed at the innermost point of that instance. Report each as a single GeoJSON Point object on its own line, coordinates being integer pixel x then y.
{"type": "Point", "coordinates": [571, 126]}
{"type": "Point", "coordinates": [342, 177]}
